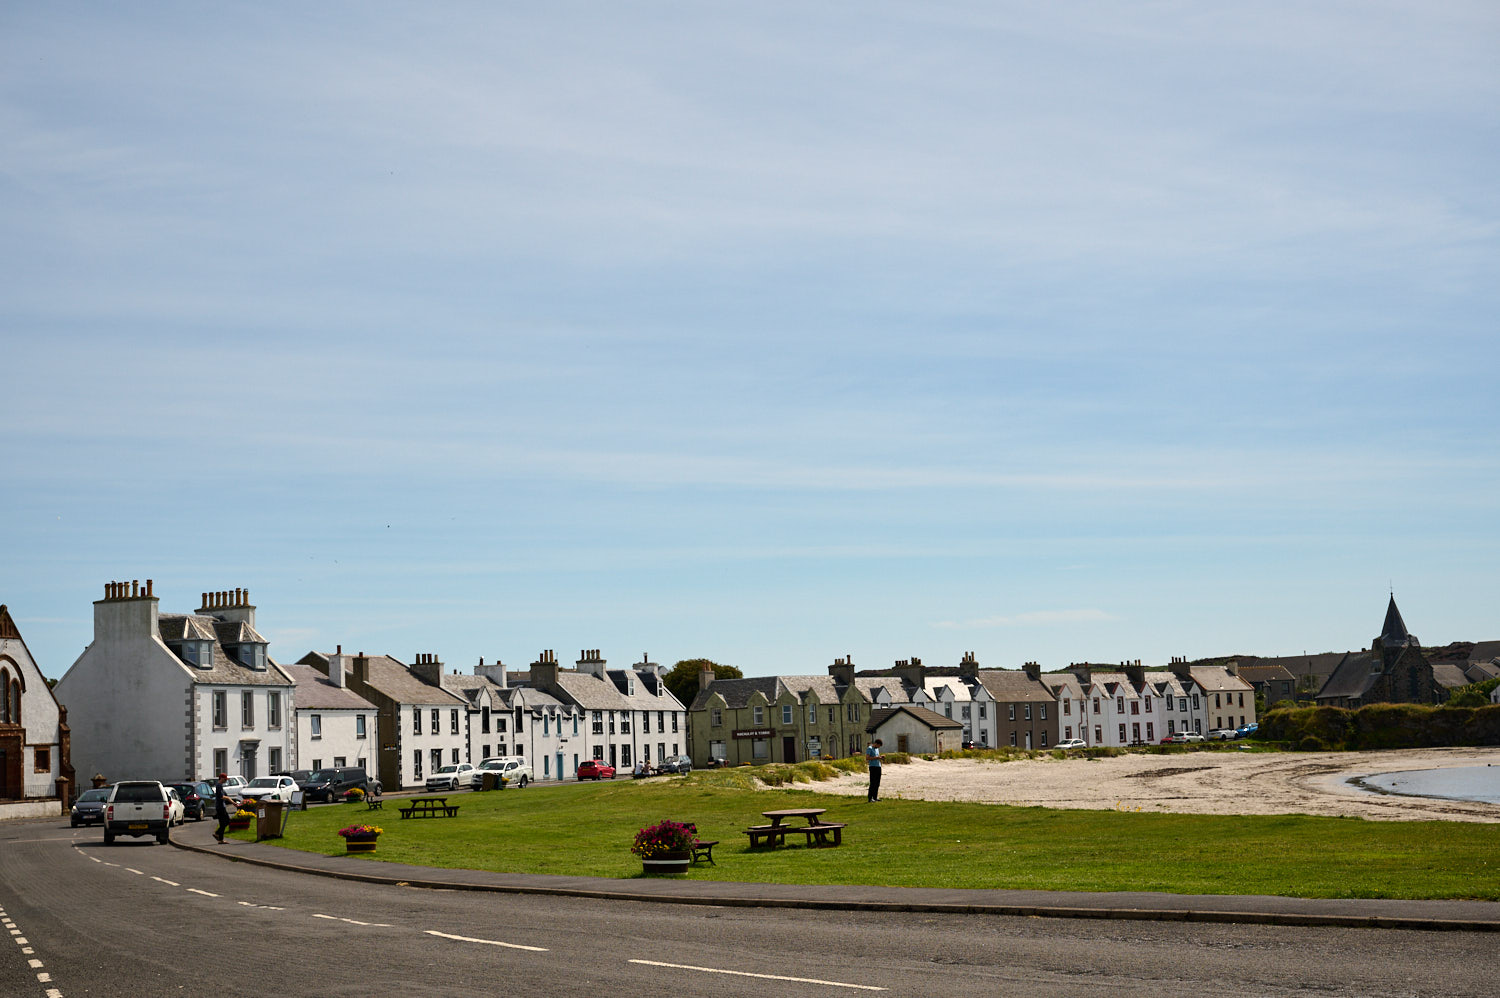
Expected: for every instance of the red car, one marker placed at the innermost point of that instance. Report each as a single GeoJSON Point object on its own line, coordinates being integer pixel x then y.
{"type": "Point", "coordinates": [593, 769]}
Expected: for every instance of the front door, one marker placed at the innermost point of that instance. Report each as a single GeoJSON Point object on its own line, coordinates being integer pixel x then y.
{"type": "Point", "coordinates": [789, 748]}
{"type": "Point", "coordinates": [902, 743]}
{"type": "Point", "coordinates": [559, 765]}
{"type": "Point", "coordinates": [612, 755]}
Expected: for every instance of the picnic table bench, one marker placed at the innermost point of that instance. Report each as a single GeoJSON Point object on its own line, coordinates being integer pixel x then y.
{"type": "Point", "coordinates": [429, 807]}
{"type": "Point", "coordinates": [704, 850]}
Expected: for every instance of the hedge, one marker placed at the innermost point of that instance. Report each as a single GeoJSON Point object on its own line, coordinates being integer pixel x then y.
{"type": "Point", "coordinates": [1381, 726]}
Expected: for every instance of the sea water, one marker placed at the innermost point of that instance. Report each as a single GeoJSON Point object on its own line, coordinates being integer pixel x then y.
{"type": "Point", "coordinates": [1481, 783]}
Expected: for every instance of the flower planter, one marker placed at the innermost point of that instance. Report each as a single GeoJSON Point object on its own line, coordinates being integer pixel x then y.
{"type": "Point", "coordinates": [669, 862]}
{"type": "Point", "coordinates": [239, 824]}
{"type": "Point", "coordinates": [359, 845]}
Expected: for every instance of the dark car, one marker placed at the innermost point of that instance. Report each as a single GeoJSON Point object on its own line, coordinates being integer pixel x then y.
{"type": "Point", "coordinates": [593, 769]}
{"type": "Point", "coordinates": [195, 804]}
{"type": "Point", "coordinates": [331, 783]}
{"type": "Point", "coordinates": [88, 809]}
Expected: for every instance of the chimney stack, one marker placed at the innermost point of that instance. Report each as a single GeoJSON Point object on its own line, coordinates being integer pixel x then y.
{"type": "Point", "coordinates": [1033, 671]}
{"type": "Point", "coordinates": [428, 669]}
{"type": "Point", "coordinates": [842, 670]}
{"type": "Point", "coordinates": [126, 613]}
{"type": "Point", "coordinates": [361, 670]}
{"type": "Point", "coordinates": [705, 676]}
{"type": "Point", "coordinates": [544, 672]}
{"type": "Point", "coordinates": [494, 673]}
{"type": "Point", "coordinates": [911, 672]}
{"type": "Point", "coordinates": [968, 666]}
{"type": "Point", "coordinates": [336, 669]}
{"type": "Point", "coordinates": [1180, 667]}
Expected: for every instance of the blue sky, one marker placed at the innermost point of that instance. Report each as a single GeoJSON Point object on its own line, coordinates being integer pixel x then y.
{"type": "Point", "coordinates": [769, 333]}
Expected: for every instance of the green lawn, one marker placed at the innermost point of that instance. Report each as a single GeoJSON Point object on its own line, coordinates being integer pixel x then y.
{"type": "Point", "coordinates": [586, 829]}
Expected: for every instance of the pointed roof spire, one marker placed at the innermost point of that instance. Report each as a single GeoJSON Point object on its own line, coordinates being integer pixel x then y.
{"type": "Point", "coordinates": [1394, 634]}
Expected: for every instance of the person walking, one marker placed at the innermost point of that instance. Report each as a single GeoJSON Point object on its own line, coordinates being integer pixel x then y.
{"type": "Point", "coordinates": [872, 757]}
{"type": "Point", "coordinates": [221, 807]}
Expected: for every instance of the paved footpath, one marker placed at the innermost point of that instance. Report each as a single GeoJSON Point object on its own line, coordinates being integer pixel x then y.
{"type": "Point", "coordinates": [1466, 916]}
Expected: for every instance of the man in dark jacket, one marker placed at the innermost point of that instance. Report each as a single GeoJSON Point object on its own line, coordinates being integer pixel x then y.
{"type": "Point", "coordinates": [221, 807]}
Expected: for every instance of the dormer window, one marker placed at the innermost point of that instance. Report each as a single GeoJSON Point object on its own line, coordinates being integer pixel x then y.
{"type": "Point", "coordinates": [198, 653]}
{"type": "Point", "coordinates": [252, 655]}
{"type": "Point", "coordinates": [630, 686]}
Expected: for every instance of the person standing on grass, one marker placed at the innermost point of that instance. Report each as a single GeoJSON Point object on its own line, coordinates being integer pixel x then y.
{"type": "Point", "coordinates": [221, 807]}
{"type": "Point", "coordinates": [872, 756]}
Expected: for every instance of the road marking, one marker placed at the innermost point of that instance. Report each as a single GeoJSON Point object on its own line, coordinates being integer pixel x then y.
{"type": "Point", "coordinates": [138, 873]}
{"type": "Point", "coordinates": [44, 978]}
{"type": "Point", "coordinates": [169, 883]}
{"type": "Point", "coordinates": [35, 964]}
{"type": "Point", "coordinates": [269, 907]}
{"type": "Point", "coordinates": [351, 921]}
{"type": "Point", "coordinates": [207, 894]}
{"type": "Point", "coordinates": [54, 993]}
{"type": "Point", "coordinates": [764, 977]}
{"type": "Point", "coordinates": [487, 942]}
{"type": "Point", "coordinates": [21, 941]}
{"type": "Point", "coordinates": [106, 863]}
{"type": "Point", "coordinates": [27, 950]}
{"type": "Point", "coordinates": [94, 859]}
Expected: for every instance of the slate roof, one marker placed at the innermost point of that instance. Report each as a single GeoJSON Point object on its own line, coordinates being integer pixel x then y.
{"type": "Point", "coordinates": [737, 692]}
{"type": "Point", "coordinates": [1057, 682]}
{"type": "Point", "coordinates": [316, 691]}
{"type": "Point", "coordinates": [1217, 679]}
{"type": "Point", "coordinates": [930, 719]}
{"type": "Point", "coordinates": [1263, 672]}
{"type": "Point", "coordinates": [1014, 686]}
{"type": "Point", "coordinates": [1351, 679]}
{"type": "Point", "coordinates": [592, 693]}
{"type": "Point", "coordinates": [225, 670]}
{"type": "Point", "coordinates": [393, 679]}
{"type": "Point", "coordinates": [1393, 632]}
{"type": "Point", "coordinates": [1448, 675]}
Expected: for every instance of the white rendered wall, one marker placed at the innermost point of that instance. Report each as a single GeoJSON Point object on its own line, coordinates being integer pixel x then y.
{"type": "Point", "coordinates": [39, 719]}
{"type": "Point", "coordinates": [229, 737]}
{"type": "Point", "coordinates": [409, 742]}
{"type": "Point", "coordinates": [340, 739]}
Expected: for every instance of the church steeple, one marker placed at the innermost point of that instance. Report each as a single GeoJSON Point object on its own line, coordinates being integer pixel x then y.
{"type": "Point", "coordinates": [1393, 633]}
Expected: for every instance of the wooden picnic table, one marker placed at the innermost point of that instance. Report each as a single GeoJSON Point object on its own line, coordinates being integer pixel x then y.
{"type": "Point", "coordinates": [429, 807]}
{"type": "Point", "coordinates": [817, 831]}
{"type": "Point", "coordinates": [810, 813]}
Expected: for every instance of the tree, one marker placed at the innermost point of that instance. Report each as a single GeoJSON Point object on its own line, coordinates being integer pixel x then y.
{"type": "Point", "coordinates": [682, 678]}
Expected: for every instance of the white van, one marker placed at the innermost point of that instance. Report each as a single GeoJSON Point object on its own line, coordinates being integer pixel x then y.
{"type": "Point", "coordinates": [512, 769]}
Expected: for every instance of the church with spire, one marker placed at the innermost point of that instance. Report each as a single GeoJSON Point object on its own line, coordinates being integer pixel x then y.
{"type": "Point", "coordinates": [1393, 670]}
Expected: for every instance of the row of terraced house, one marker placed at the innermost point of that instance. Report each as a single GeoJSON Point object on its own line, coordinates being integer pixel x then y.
{"type": "Point", "coordinates": [791, 718]}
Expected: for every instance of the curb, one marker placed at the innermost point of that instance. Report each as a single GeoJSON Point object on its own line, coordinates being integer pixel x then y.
{"type": "Point", "coordinates": [1304, 919]}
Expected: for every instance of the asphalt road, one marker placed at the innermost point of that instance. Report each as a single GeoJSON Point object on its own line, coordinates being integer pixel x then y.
{"type": "Point", "coordinates": [137, 919]}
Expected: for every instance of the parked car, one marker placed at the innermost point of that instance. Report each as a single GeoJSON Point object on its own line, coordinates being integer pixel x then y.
{"type": "Point", "coordinates": [89, 807]}
{"type": "Point", "coordinates": [676, 764]}
{"type": "Point", "coordinates": [193, 801]}
{"type": "Point", "coordinates": [235, 786]}
{"type": "Point", "coordinates": [513, 769]}
{"type": "Point", "coordinates": [1246, 730]}
{"type": "Point", "coordinates": [178, 815]}
{"type": "Point", "coordinates": [332, 782]}
{"type": "Point", "coordinates": [593, 769]}
{"type": "Point", "coordinates": [1190, 736]}
{"type": "Point", "coordinates": [270, 788]}
{"type": "Point", "coordinates": [1221, 735]}
{"type": "Point", "coordinates": [449, 777]}
{"type": "Point", "coordinates": [1070, 743]}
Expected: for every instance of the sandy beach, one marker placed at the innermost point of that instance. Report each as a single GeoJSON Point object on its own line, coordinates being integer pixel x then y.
{"type": "Point", "coordinates": [1224, 782]}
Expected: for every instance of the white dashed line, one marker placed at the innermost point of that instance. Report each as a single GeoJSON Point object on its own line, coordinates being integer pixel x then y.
{"type": "Point", "coordinates": [138, 873]}
{"type": "Point", "coordinates": [335, 918]}
{"type": "Point", "coordinates": [486, 942]}
{"type": "Point", "coordinates": [44, 978]}
{"type": "Point", "coordinates": [207, 894]}
{"type": "Point", "coordinates": [35, 964]}
{"type": "Point", "coordinates": [54, 993]}
{"type": "Point", "coordinates": [763, 977]}
{"type": "Point", "coordinates": [169, 883]}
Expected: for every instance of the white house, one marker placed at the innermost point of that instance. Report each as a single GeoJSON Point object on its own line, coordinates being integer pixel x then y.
{"type": "Point", "coordinates": [176, 696]}
{"type": "Point", "coordinates": [35, 772]}
{"type": "Point", "coordinates": [334, 725]}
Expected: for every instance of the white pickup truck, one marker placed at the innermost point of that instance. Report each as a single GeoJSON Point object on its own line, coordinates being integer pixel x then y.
{"type": "Point", "coordinates": [136, 808]}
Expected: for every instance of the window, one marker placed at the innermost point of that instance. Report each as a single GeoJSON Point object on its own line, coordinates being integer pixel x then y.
{"type": "Point", "coordinates": [1119, 705]}
{"type": "Point", "coordinates": [1096, 705]}
{"type": "Point", "coordinates": [611, 722]}
{"type": "Point", "coordinates": [832, 714]}
{"type": "Point", "coordinates": [453, 722]}
{"type": "Point", "coordinates": [758, 715]}
{"type": "Point", "coordinates": [1182, 704]}
{"type": "Point", "coordinates": [1135, 732]}
{"type": "Point", "coordinates": [1122, 734]}
{"type": "Point", "coordinates": [674, 722]}
{"type": "Point", "coordinates": [1217, 705]}
{"type": "Point", "coordinates": [1135, 706]}
{"type": "Point", "coordinates": [661, 721]}
{"type": "Point", "coordinates": [1098, 734]}
{"type": "Point", "coordinates": [715, 718]}
{"type": "Point", "coordinates": [716, 750]}
{"type": "Point", "coordinates": [948, 710]}
{"type": "Point", "coordinates": [1195, 701]}
{"type": "Point", "coordinates": [247, 709]}
{"type": "Point", "coordinates": [598, 751]}
{"type": "Point", "coordinates": [812, 713]}
{"type": "Point", "coordinates": [1150, 732]}
{"type": "Point", "coordinates": [339, 760]}
{"type": "Point", "coordinates": [786, 713]}
{"type": "Point", "coordinates": [1044, 738]}
{"type": "Point", "coordinates": [220, 720]}
{"type": "Point", "coordinates": [416, 721]}
{"type": "Point", "coordinates": [598, 721]}
{"type": "Point", "coordinates": [273, 712]}
{"type": "Point", "coordinates": [1148, 705]}
{"type": "Point", "coordinates": [1013, 737]}
{"type": "Point", "coordinates": [455, 757]}
{"type": "Point", "coordinates": [575, 724]}
{"type": "Point", "coordinates": [484, 720]}
{"type": "Point", "coordinates": [1027, 709]}
{"type": "Point", "coordinates": [625, 721]}
{"type": "Point", "coordinates": [437, 721]}
{"type": "Point", "coordinates": [1068, 732]}
{"type": "Point", "coordinates": [1242, 699]}
{"type": "Point", "coordinates": [966, 709]}
{"type": "Point", "coordinates": [1197, 726]}
{"type": "Point", "coordinates": [221, 761]}
{"type": "Point", "coordinates": [315, 725]}
{"type": "Point", "coordinates": [518, 720]}
{"type": "Point", "coordinates": [1044, 713]}
{"type": "Point", "coordinates": [276, 760]}
{"type": "Point", "coordinates": [625, 759]}
{"type": "Point", "coordinates": [500, 720]}
{"type": "Point", "coordinates": [1012, 711]}
{"type": "Point", "coordinates": [546, 726]}
{"type": "Point", "coordinates": [416, 764]}
{"type": "Point", "coordinates": [359, 725]}
{"type": "Point", "coordinates": [43, 761]}
{"type": "Point", "coordinates": [854, 716]}
{"type": "Point", "coordinates": [1067, 708]}
{"type": "Point", "coordinates": [854, 744]}
{"type": "Point", "coordinates": [982, 712]}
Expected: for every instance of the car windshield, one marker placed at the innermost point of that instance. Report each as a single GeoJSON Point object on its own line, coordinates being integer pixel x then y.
{"type": "Point", "coordinates": [93, 795]}
{"type": "Point", "coordinates": [322, 776]}
{"type": "Point", "coordinates": [265, 781]}
{"type": "Point", "coordinates": [448, 769]}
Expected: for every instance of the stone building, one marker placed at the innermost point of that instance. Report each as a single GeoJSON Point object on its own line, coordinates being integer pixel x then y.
{"type": "Point", "coordinates": [1394, 670]}
{"type": "Point", "coordinates": [36, 772]}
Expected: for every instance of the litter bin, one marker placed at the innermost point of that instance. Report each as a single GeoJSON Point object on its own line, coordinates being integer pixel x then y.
{"type": "Point", "coordinates": [270, 819]}
{"type": "Point", "coordinates": [490, 781]}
